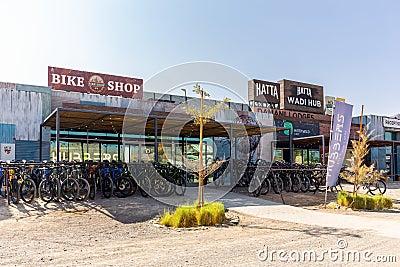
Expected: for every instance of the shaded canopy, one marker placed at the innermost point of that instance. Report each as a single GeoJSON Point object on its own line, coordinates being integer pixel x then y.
{"type": "Point", "coordinates": [112, 120]}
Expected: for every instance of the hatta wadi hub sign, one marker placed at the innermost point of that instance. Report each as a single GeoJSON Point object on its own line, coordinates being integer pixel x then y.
{"type": "Point", "coordinates": [94, 83]}
{"type": "Point", "coordinates": [302, 97]}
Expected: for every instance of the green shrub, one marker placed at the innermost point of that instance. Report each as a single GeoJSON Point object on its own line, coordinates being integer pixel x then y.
{"type": "Point", "coordinates": [381, 202]}
{"type": "Point", "coordinates": [184, 217]}
{"type": "Point", "coordinates": [166, 219]}
{"type": "Point", "coordinates": [191, 216]}
{"type": "Point", "coordinates": [360, 201]}
{"type": "Point", "coordinates": [344, 199]}
{"type": "Point", "coordinates": [369, 203]}
{"type": "Point", "coordinates": [204, 217]}
{"type": "Point", "coordinates": [387, 202]}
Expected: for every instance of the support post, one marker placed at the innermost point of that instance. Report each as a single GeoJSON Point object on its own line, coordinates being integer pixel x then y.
{"type": "Point", "coordinates": [323, 149]}
{"type": "Point", "coordinates": [230, 154]}
{"type": "Point", "coordinates": [392, 163]}
{"type": "Point", "coordinates": [58, 135]}
{"type": "Point", "coordinates": [291, 146]}
{"type": "Point", "coordinates": [155, 140]}
{"type": "Point", "coordinates": [40, 142]}
{"type": "Point", "coordinates": [119, 147]}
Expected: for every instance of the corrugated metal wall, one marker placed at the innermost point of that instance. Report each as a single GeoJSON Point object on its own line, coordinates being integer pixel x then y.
{"type": "Point", "coordinates": [29, 150]}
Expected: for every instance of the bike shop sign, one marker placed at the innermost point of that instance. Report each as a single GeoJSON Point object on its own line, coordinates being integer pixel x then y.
{"type": "Point", "coordinates": [340, 134]}
{"type": "Point", "coordinates": [94, 83]}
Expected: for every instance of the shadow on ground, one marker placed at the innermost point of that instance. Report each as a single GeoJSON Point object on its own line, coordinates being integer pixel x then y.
{"type": "Point", "coordinates": [4, 209]}
{"type": "Point", "coordinates": [128, 210]}
{"type": "Point", "coordinates": [310, 230]}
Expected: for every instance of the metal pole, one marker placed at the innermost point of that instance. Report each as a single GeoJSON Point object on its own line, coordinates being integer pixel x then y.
{"type": "Point", "coordinates": [235, 147]}
{"type": "Point", "coordinates": [58, 135]}
{"type": "Point", "coordinates": [291, 146]}
{"type": "Point", "coordinates": [155, 139]}
{"type": "Point", "coordinates": [40, 143]}
{"type": "Point", "coordinates": [323, 149]}
{"type": "Point", "coordinates": [230, 153]}
{"type": "Point", "coordinates": [182, 149]}
{"type": "Point", "coordinates": [392, 162]}
{"type": "Point", "coordinates": [119, 146]}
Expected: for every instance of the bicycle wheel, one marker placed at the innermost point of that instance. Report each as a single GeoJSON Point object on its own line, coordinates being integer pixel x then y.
{"type": "Point", "coordinates": [277, 184]}
{"type": "Point", "coordinates": [144, 185]}
{"type": "Point", "coordinates": [122, 187]}
{"type": "Point", "coordinates": [84, 189]}
{"type": "Point", "coordinates": [27, 190]}
{"type": "Point", "coordinates": [92, 192]}
{"type": "Point", "coordinates": [256, 192]}
{"type": "Point", "coordinates": [180, 187]}
{"type": "Point", "coordinates": [70, 189]}
{"type": "Point", "coordinates": [134, 186]}
{"type": "Point", "coordinates": [305, 184]}
{"type": "Point", "coordinates": [3, 188]}
{"type": "Point", "coordinates": [296, 184]}
{"type": "Point", "coordinates": [265, 187]}
{"type": "Point", "coordinates": [314, 185]}
{"type": "Point", "coordinates": [14, 190]}
{"type": "Point", "coordinates": [106, 187]}
{"type": "Point", "coordinates": [378, 187]}
{"type": "Point", "coordinates": [46, 190]}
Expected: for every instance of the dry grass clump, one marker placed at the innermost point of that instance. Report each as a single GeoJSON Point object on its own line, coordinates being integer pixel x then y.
{"type": "Point", "coordinates": [364, 202]}
{"type": "Point", "coordinates": [193, 216]}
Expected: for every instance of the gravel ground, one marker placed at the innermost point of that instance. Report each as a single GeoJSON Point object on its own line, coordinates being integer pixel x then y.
{"type": "Point", "coordinates": [118, 232]}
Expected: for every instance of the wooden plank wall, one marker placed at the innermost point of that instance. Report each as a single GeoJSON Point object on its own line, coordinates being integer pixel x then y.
{"type": "Point", "coordinates": [25, 110]}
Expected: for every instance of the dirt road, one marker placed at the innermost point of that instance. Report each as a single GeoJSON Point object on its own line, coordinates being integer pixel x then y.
{"type": "Point", "coordinates": [117, 232]}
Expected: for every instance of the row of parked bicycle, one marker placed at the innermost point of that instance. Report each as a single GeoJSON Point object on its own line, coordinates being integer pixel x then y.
{"type": "Point", "coordinates": [283, 176]}
{"type": "Point", "coordinates": [67, 180]}
{"type": "Point", "coordinates": [78, 181]}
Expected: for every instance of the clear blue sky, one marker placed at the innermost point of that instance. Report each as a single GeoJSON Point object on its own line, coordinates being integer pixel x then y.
{"type": "Point", "coordinates": [352, 48]}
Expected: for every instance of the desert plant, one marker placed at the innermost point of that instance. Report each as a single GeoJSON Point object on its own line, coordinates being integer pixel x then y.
{"type": "Point", "coordinates": [358, 172]}
{"type": "Point", "coordinates": [383, 202]}
{"type": "Point", "coordinates": [369, 203]}
{"type": "Point", "coordinates": [191, 216]}
{"type": "Point", "coordinates": [344, 199]}
{"type": "Point", "coordinates": [378, 202]}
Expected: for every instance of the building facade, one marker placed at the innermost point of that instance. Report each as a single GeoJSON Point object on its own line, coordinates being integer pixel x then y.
{"type": "Point", "coordinates": [302, 109]}
{"type": "Point", "coordinates": [24, 107]}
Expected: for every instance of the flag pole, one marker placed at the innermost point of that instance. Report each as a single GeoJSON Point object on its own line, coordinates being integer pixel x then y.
{"type": "Point", "coordinates": [330, 137]}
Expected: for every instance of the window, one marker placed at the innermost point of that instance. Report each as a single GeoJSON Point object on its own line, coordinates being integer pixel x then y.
{"type": "Point", "coordinates": [391, 136]}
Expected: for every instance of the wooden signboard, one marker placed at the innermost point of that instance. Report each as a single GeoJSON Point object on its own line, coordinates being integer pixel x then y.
{"type": "Point", "coordinates": [300, 96]}
{"type": "Point", "coordinates": [264, 94]}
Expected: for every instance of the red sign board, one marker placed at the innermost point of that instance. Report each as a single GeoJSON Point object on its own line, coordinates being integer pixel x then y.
{"type": "Point", "coordinates": [94, 83]}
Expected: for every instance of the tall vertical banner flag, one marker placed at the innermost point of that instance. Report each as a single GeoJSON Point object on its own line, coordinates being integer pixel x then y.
{"type": "Point", "coordinates": [340, 134]}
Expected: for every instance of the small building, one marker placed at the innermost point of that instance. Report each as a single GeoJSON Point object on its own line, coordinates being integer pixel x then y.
{"type": "Point", "coordinates": [23, 109]}
{"type": "Point", "coordinates": [384, 148]}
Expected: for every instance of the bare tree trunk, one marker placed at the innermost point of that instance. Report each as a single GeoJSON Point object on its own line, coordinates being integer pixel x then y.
{"type": "Point", "coordinates": [358, 160]}
{"type": "Point", "coordinates": [200, 196]}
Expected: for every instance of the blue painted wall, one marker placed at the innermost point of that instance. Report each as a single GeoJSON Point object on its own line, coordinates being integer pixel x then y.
{"type": "Point", "coordinates": [7, 133]}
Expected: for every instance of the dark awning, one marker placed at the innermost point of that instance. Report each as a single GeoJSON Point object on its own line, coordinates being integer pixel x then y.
{"type": "Point", "coordinates": [111, 120]}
